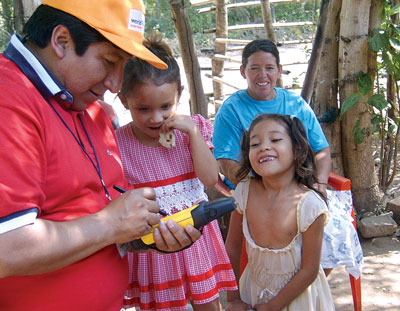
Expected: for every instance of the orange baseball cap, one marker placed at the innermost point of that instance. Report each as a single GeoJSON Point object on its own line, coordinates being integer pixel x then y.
{"type": "Point", "coordinates": [120, 21]}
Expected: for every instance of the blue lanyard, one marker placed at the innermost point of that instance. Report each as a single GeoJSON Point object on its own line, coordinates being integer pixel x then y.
{"type": "Point", "coordinates": [95, 165]}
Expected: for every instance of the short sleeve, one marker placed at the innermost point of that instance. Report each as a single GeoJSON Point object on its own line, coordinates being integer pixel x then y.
{"type": "Point", "coordinates": [240, 194]}
{"type": "Point", "coordinates": [227, 133]}
{"type": "Point", "coordinates": [311, 206]}
{"type": "Point", "coordinates": [205, 127]}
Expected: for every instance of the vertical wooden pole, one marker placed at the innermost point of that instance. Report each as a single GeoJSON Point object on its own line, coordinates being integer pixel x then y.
{"type": "Point", "coordinates": [220, 48]}
{"type": "Point", "coordinates": [313, 65]}
{"type": "Point", "coordinates": [269, 29]}
{"type": "Point", "coordinates": [267, 19]}
{"type": "Point", "coordinates": [325, 93]}
{"type": "Point", "coordinates": [198, 101]}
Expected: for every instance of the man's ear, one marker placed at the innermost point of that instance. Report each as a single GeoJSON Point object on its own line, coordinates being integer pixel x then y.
{"type": "Point", "coordinates": [61, 40]}
{"type": "Point", "coordinates": [242, 71]}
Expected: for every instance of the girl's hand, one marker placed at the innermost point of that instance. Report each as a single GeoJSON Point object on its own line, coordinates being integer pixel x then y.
{"type": "Point", "coordinates": [262, 307]}
{"type": "Point", "coordinates": [237, 305]}
{"type": "Point", "coordinates": [180, 122]}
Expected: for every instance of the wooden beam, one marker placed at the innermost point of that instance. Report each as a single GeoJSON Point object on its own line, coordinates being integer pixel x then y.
{"type": "Point", "coordinates": [237, 5]}
{"type": "Point", "coordinates": [244, 42]}
{"type": "Point", "coordinates": [227, 59]}
{"type": "Point", "coordinates": [261, 26]}
{"type": "Point", "coordinates": [200, 2]}
{"type": "Point", "coordinates": [205, 68]}
{"type": "Point", "coordinates": [219, 80]}
{"type": "Point", "coordinates": [239, 61]}
{"type": "Point", "coordinates": [231, 41]}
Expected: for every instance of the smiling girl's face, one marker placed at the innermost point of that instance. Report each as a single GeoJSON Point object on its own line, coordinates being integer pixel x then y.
{"type": "Point", "coordinates": [271, 149]}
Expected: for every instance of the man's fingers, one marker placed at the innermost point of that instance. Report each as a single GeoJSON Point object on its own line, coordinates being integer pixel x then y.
{"type": "Point", "coordinates": [172, 237]}
{"type": "Point", "coordinates": [146, 192]}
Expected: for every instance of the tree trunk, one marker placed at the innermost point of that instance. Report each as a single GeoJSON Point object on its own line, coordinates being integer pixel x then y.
{"type": "Point", "coordinates": [18, 16]}
{"type": "Point", "coordinates": [220, 48]}
{"type": "Point", "coordinates": [358, 159]}
{"type": "Point", "coordinates": [29, 7]}
{"type": "Point", "coordinates": [198, 101]}
{"type": "Point", "coordinates": [313, 64]}
{"type": "Point", "coordinates": [325, 94]}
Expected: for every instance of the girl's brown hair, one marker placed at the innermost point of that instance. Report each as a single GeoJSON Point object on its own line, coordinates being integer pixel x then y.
{"type": "Point", "coordinates": [138, 72]}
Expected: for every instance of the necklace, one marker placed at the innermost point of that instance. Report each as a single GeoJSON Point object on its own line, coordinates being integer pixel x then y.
{"type": "Point", "coordinates": [95, 165]}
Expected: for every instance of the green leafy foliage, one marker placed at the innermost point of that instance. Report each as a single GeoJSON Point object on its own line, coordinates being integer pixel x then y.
{"type": "Point", "coordinates": [358, 133]}
{"type": "Point", "coordinates": [350, 102]}
{"type": "Point", "coordinates": [364, 84]}
{"type": "Point", "coordinates": [6, 22]}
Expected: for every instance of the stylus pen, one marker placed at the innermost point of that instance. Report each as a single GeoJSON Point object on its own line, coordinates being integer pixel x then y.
{"type": "Point", "coordinates": [122, 190]}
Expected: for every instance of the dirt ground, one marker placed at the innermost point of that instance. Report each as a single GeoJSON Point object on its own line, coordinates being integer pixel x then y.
{"type": "Point", "coordinates": [380, 280]}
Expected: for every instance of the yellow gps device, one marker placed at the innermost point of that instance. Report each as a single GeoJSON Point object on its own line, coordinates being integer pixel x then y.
{"type": "Point", "coordinates": [198, 216]}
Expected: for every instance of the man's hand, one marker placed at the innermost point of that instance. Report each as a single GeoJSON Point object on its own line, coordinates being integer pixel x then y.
{"type": "Point", "coordinates": [132, 215]}
{"type": "Point", "coordinates": [170, 237]}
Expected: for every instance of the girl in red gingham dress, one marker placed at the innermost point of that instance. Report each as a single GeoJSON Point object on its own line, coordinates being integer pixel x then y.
{"type": "Point", "coordinates": [178, 175]}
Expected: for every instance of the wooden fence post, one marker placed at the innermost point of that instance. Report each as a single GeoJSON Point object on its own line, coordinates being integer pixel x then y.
{"type": "Point", "coordinates": [311, 73]}
{"type": "Point", "coordinates": [220, 49]}
{"type": "Point", "coordinates": [198, 100]}
{"type": "Point", "coordinates": [269, 28]}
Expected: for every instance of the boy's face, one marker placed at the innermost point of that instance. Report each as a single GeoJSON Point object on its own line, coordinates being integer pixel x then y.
{"type": "Point", "coordinates": [87, 77]}
{"type": "Point", "coordinates": [261, 74]}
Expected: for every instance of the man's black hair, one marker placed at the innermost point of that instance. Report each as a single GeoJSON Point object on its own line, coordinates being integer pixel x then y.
{"type": "Point", "coordinates": [40, 25]}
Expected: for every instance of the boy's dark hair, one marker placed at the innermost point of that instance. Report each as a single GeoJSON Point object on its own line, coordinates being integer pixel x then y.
{"type": "Point", "coordinates": [138, 72]}
{"type": "Point", "coordinates": [305, 168]}
{"type": "Point", "coordinates": [264, 45]}
{"type": "Point", "coordinates": [44, 19]}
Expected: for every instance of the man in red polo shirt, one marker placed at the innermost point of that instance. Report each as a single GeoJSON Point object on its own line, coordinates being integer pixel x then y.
{"type": "Point", "coordinates": [60, 218]}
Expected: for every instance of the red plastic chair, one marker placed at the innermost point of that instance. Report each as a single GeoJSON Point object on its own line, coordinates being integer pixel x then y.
{"type": "Point", "coordinates": [339, 183]}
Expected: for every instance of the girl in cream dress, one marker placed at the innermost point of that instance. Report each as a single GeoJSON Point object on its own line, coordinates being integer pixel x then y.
{"type": "Point", "coordinates": [281, 217]}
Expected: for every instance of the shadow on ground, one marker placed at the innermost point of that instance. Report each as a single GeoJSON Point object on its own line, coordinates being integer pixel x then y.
{"type": "Point", "coordinates": [380, 280]}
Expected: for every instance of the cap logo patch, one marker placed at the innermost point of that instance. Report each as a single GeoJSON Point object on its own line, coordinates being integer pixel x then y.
{"type": "Point", "coordinates": [136, 20]}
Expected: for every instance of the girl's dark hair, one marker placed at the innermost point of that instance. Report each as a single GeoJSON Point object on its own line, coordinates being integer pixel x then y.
{"type": "Point", "coordinates": [304, 158]}
{"type": "Point", "coordinates": [138, 72]}
{"type": "Point", "coordinates": [254, 46]}
{"type": "Point", "coordinates": [39, 28]}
